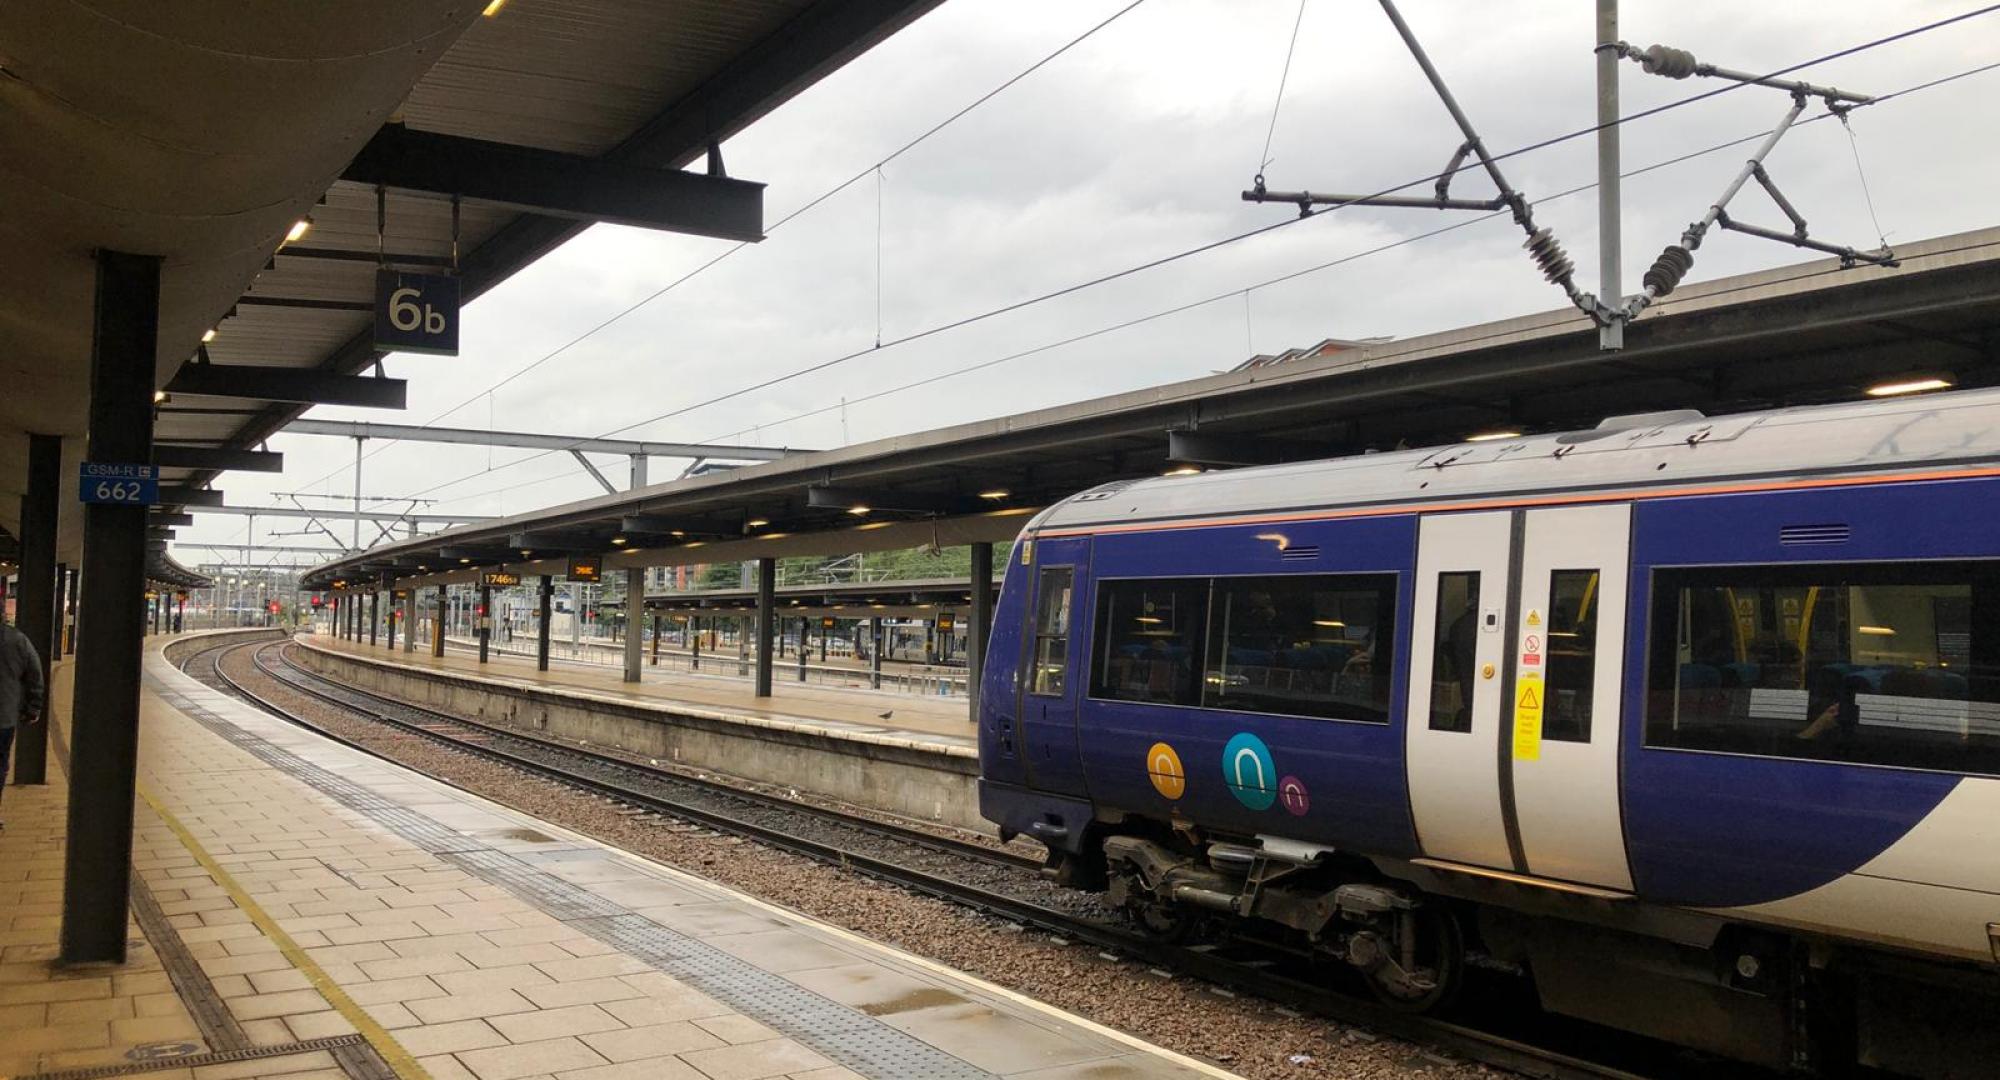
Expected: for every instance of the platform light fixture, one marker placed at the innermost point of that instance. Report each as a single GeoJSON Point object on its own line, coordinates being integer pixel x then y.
{"type": "Point", "coordinates": [159, 396]}
{"type": "Point", "coordinates": [618, 541]}
{"type": "Point", "coordinates": [1184, 470]}
{"type": "Point", "coordinates": [208, 335]}
{"type": "Point", "coordinates": [756, 523]}
{"type": "Point", "coordinates": [1489, 436]}
{"type": "Point", "coordinates": [858, 511]}
{"type": "Point", "coordinates": [995, 494]}
{"type": "Point", "coordinates": [1909, 386]}
{"type": "Point", "coordinates": [299, 230]}
{"type": "Point", "coordinates": [493, 8]}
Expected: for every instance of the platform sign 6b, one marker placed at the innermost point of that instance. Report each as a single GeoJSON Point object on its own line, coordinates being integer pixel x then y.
{"type": "Point", "coordinates": [416, 312]}
{"type": "Point", "coordinates": [118, 485]}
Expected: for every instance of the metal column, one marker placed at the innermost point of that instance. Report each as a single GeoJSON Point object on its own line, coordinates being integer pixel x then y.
{"type": "Point", "coordinates": [805, 646]}
{"type": "Point", "coordinates": [437, 624]}
{"type": "Point", "coordinates": [548, 591]}
{"type": "Point", "coordinates": [410, 619]}
{"type": "Point", "coordinates": [981, 623]}
{"type": "Point", "coordinates": [485, 624]}
{"type": "Point", "coordinates": [635, 638]}
{"type": "Point", "coordinates": [393, 620]}
{"type": "Point", "coordinates": [655, 620]}
{"type": "Point", "coordinates": [104, 726]}
{"type": "Point", "coordinates": [35, 600]}
{"type": "Point", "coordinates": [767, 621]}
{"type": "Point", "coordinates": [875, 652]}
{"type": "Point", "coordinates": [374, 614]}
{"type": "Point", "coordinates": [1610, 290]}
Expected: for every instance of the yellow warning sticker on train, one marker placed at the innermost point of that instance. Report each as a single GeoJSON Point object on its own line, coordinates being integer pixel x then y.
{"type": "Point", "coordinates": [1163, 766]}
{"type": "Point", "coordinates": [1534, 617]}
{"type": "Point", "coordinates": [1528, 717]}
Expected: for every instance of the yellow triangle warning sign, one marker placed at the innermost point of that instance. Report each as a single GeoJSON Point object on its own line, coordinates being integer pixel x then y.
{"type": "Point", "coordinates": [1530, 699]}
{"type": "Point", "coordinates": [1534, 617]}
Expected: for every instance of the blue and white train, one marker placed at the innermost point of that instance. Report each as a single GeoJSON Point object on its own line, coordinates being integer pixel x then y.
{"type": "Point", "coordinates": [1695, 720]}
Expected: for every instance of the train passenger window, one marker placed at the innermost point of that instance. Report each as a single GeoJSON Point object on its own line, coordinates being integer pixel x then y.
{"type": "Point", "coordinates": [1571, 674]}
{"type": "Point", "coordinates": [1302, 645]}
{"type": "Point", "coordinates": [1454, 652]}
{"type": "Point", "coordinates": [1149, 640]}
{"type": "Point", "coordinates": [1877, 663]}
{"type": "Point", "coordinates": [1052, 630]}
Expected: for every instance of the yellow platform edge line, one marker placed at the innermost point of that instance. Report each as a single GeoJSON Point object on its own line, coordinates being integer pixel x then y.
{"type": "Point", "coordinates": [385, 1044]}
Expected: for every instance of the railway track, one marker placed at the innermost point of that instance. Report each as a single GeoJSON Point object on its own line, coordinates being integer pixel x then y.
{"type": "Point", "coordinates": [1000, 883]}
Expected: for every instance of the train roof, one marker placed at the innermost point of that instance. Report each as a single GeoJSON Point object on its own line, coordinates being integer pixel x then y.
{"type": "Point", "coordinates": [1940, 432]}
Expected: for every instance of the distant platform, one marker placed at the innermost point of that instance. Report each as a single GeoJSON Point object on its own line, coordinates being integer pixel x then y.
{"type": "Point", "coordinates": [309, 910]}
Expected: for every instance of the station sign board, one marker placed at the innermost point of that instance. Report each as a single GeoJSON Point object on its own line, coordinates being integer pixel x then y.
{"type": "Point", "coordinates": [399, 594]}
{"type": "Point", "coordinates": [586, 568]}
{"type": "Point", "coordinates": [416, 312]}
{"type": "Point", "coordinates": [118, 485]}
{"type": "Point", "coordinates": [826, 622]}
{"type": "Point", "coordinates": [946, 621]}
{"type": "Point", "coordinates": [499, 579]}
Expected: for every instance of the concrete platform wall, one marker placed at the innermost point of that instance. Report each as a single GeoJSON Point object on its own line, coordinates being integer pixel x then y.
{"type": "Point", "coordinates": [890, 775]}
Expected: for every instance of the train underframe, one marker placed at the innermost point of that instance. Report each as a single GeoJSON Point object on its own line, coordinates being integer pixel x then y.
{"type": "Point", "coordinates": [1737, 990]}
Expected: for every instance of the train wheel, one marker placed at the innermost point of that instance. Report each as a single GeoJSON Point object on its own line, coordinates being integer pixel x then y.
{"type": "Point", "coordinates": [1160, 921]}
{"type": "Point", "coordinates": [1439, 954]}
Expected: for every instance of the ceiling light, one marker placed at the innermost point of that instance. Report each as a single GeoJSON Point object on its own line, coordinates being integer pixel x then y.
{"type": "Point", "coordinates": [756, 523]}
{"type": "Point", "coordinates": [1184, 470]}
{"type": "Point", "coordinates": [298, 230]}
{"type": "Point", "coordinates": [465, 562]}
{"type": "Point", "coordinates": [1489, 436]}
{"type": "Point", "coordinates": [677, 534]}
{"type": "Point", "coordinates": [1328, 622]}
{"type": "Point", "coordinates": [618, 540]}
{"type": "Point", "coordinates": [1908, 386]}
{"type": "Point", "coordinates": [694, 543]}
{"type": "Point", "coordinates": [857, 511]}
{"type": "Point", "coordinates": [208, 335]}
{"type": "Point", "coordinates": [493, 8]}
{"type": "Point", "coordinates": [876, 525]}
{"type": "Point", "coordinates": [159, 396]}
{"type": "Point", "coordinates": [996, 494]}
{"type": "Point", "coordinates": [1876, 631]}
{"type": "Point", "coordinates": [525, 553]}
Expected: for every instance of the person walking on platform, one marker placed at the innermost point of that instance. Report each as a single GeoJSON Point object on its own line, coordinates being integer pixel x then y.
{"type": "Point", "coordinates": [21, 690]}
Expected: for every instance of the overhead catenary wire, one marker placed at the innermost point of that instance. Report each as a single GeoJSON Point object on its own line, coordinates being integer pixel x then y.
{"type": "Point", "coordinates": [1182, 255]}
{"type": "Point", "coordinates": [807, 207]}
{"type": "Point", "coordinates": [1284, 76]}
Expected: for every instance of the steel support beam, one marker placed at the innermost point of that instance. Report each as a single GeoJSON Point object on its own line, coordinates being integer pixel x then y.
{"type": "Point", "coordinates": [35, 603]}
{"type": "Point", "coordinates": [353, 429]}
{"type": "Point", "coordinates": [545, 598]}
{"type": "Point", "coordinates": [635, 593]}
{"type": "Point", "coordinates": [846, 498]}
{"type": "Point", "coordinates": [485, 616]}
{"type": "Point", "coordinates": [216, 459]}
{"type": "Point", "coordinates": [394, 618]}
{"type": "Point", "coordinates": [979, 623]}
{"type": "Point", "coordinates": [437, 623]}
{"type": "Point", "coordinates": [561, 185]}
{"type": "Point", "coordinates": [374, 614]}
{"type": "Point", "coordinates": [767, 621]}
{"type": "Point", "coordinates": [303, 386]}
{"type": "Point", "coordinates": [410, 620]}
{"type": "Point", "coordinates": [104, 726]}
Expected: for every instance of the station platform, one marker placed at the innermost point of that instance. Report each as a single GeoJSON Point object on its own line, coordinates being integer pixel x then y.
{"type": "Point", "coordinates": [302, 909]}
{"type": "Point", "coordinates": [937, 720]}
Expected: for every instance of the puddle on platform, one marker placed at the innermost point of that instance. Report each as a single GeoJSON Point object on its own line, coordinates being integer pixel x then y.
{"type": "Point", "coordinates": [912, 1001]}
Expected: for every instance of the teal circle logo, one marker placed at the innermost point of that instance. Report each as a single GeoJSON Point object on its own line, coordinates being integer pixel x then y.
{"type": "Point", "coordinates": [1249, 771]}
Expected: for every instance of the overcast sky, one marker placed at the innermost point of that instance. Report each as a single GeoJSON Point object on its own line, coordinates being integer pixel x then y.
{"type": "Point", "coordinates": [1133, 146]}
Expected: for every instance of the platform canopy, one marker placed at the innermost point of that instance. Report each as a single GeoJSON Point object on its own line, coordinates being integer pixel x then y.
{"type": "Point", "coordinates": [1800, 334]}
{"type": "Point", "coordinates": [202, 132]}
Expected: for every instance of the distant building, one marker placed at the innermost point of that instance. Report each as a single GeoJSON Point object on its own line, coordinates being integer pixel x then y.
{"type": "Point", "coordinates": [1312, 352]}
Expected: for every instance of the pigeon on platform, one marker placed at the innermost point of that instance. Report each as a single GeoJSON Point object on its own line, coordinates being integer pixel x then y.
{"type": "Point", "coordinates": [886, 715]}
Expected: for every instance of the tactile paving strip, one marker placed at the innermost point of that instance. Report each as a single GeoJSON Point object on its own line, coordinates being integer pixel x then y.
{"type": "Point", "coordinates": [840, 1033]}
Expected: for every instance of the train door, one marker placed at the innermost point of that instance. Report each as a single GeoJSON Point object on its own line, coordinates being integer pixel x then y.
{"type": "Point", "coordinates": [1052, 664]}
{"type": "Point", "coordinates": [1561, 752]}
{"type": "Point", "coordinates": [1455, 713]}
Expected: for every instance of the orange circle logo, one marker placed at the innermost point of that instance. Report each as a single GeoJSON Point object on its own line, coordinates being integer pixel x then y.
{"type": "Point", "coordinates": [1163, 767]}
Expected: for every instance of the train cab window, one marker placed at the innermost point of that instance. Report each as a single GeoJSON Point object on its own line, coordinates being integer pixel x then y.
{"type": "Point", "coordinates": [1149, 640]}
{"type": "Point", "coordinates": [1454, 653]}
{"type": "Point", "coordinates": [1571, 647]}
{"type": "Point", "coordinates": [1877, 663]}
{"type": "Point", "coordinates": [1302, 645]}
{"type": "Point", "coordinates": [1052, 607]}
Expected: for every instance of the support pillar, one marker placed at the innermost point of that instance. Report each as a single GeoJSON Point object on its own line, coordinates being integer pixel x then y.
{"type": "Point", "coordinates": [482, 625]}
{"type": "Point", "coordinates": [437, 624]}
{"type": "Point", "coordinates": [875, 652]}
{"type": "Point", "coordinates": [104, 727]}
{"type": "Point", "coordinates": [393, 620]}
{"type": "Point", "coordinates": [69, 617]}
{"type": "Point", "coordinates": [805, 628]}
{"type": "Point", "coordinates": [767, 621]}
{"type": "Point", "coordinates": [635, 638]}
{"type": "Point", "coordinates": [374, 615]}
{"type": "Point", "coordinates": [35, 601]}
{"type": "Point", "coordinates": [410, 607]}
{"type": "Point", "coordinates": [979, 624]}
{"type": "Point", "coordinates": [656, 641]}
{"type": "Point", "coordinates": [546, 595]}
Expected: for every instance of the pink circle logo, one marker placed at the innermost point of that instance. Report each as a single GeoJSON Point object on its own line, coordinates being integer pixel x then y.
{"type": "Point", "coordinates": [1292, 792]}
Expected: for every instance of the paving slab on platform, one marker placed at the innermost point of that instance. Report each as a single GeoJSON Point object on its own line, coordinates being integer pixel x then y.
{"type": "Point", "coordinates": [342, 916]}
